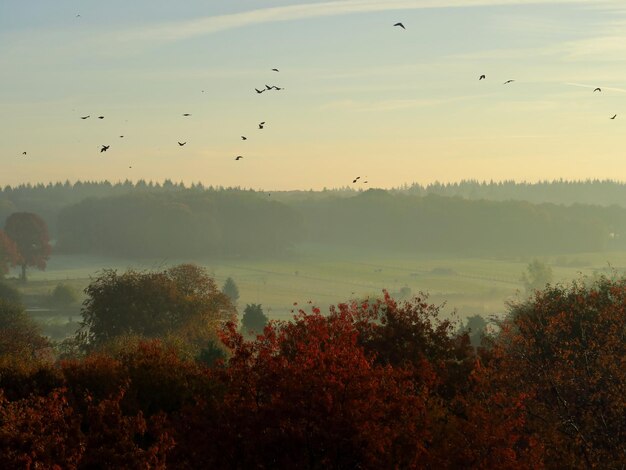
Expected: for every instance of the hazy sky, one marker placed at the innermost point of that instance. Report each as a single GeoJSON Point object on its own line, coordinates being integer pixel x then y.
{"type": "Point", "coordinates": [361, 97]}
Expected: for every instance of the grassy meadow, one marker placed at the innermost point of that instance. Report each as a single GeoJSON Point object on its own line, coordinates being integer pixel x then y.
{"type": "Point", "coordinates": [326, 275]}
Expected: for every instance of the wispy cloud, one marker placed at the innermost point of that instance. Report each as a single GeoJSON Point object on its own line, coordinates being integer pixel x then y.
{"type": "Point", "coordinates": [174, 31]}
{"type": "Point", "coordinates": [593, 87]}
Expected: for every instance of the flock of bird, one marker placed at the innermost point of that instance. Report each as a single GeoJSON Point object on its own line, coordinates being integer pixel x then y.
{"type": "Point", "coordinates": [268, 88]}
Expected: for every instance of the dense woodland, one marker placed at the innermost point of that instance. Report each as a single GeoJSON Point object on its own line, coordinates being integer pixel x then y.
{"type": "Point", "coordinates": [372, 384]}
{"type": "Point", "coordinates": [155, 220]}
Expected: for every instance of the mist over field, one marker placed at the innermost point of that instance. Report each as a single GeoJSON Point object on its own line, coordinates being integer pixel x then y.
{"type": "Point", "coordinates": [318, 234]}
{"type": "Point", "coordinates": [467, 244]}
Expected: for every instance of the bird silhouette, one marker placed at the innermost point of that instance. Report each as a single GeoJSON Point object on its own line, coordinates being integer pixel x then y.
{"type": "Point", "coordinates": [100, 117]}
{"type": "Point", "coordinates": [261, 124]}
{"type": "Point", "coordinates": [277, 88]}
{"type": "Point", "coordinates": [614, 116]}
{"type": "Point", "coordinates": [121, 137]}
{"type": "Point", "coordinates": [356, 179]}
{"type": "Point", "coordinates": [182, 143]}
{"type": "Point", "coordinates": [186, 114]}
{"type": "Point", "coordinates": [482, 77]}
{"type": "Point", "coordinates": [400, 24]}
{"type": "Point", "coordinates": [23, 153]}
{"type": "Point", "coordinates": [104, 148]}
{"type": "Point", "coordinates": [238, 157]}
{"type": "Point", "coordinates": [274, 70]}
{"type": "Point", "coordinates": [267, 87]}
{"type": "Point", "coordinates": [243, 137]}
{"type": "Point", "coordinates": [259, 91]}
{"type": "Point", "coordinates": [597, 89]}
{"type": "Point", "coordinates": [85, 117]}
{"type": "Point", "coordinates": [508, 81]}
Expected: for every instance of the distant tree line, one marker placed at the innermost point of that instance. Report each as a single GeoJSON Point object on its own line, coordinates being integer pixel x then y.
{"type": "Point", "coordinates": [149, 219]}
{"type": "Point", "coordinates": [185, 223]}
{"type": "Point", "coordinates": [599, 192]}
{"type": "Point", "coordinates": [431, 223]}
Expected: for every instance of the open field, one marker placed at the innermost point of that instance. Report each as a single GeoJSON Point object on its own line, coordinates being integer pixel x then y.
{"type": "Point", "coordinates": [329, 275]}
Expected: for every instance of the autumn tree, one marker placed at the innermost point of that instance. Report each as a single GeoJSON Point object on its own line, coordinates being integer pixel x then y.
{"type": "Point", "coordinates": [254, 320]}
{"type": "Point", "coordinates": [564, 349]}
{"type": "Point", "coordinates": [20, 336]}
{"type": "Point", "coordinates": [9, 255]}
{"type": "Point", "coordinates": [30, 234]}
{"type": "Point", "coordinates": [181, 300]}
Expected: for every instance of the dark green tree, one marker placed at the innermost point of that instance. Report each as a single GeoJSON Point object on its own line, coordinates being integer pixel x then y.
{"type": "Point", "coordinates": [63, 295]}
{"type": "Point", "coordinates": [254, 320]}
{"type": "Point", "coordinates": [183, 300]}
{"type": "Point", "coordinates": [231, 290]}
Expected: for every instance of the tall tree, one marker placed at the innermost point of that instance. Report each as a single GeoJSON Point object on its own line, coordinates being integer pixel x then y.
{"type": "Point", "coordinates": [231, 290]}
{"type": "Point", "coordinates": [539, 275]}
{"type": "Point", "coordinates": [30, 234]}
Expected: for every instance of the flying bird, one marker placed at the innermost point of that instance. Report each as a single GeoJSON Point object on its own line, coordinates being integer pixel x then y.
{"type": "Point", "coordinates": [611, 118]}
{"type": "Point", "coordinates": [182, 143]}
{"type": "Point", "coordinates": [267, 87]}
{"type": "Point", "coordinates": [85, 117]}
{"type": "Point", "coordinates": [400, 24]}
{"type": "Point", "coordinates": [508, 81]}
{"type": "Point", "coordinates": [259, 91]}
{"type": "Point", "coordinates": [597, 89]}
{"type": "Point", "coordinates": [482, 77]}
{"type": "Point", "coordinates": [243, 137]}
{"type": "Point", "coordinates": [238, 157]}
{"type": "Point", "coordinates": [356, 179]}
{"type": "Point", "coordinates": [23, 153]}
{"type": "Point", "coordinates": [274, 70]}
{"type": "Point", "coordinates": [104, 148]}
{"type": "Point", "coordinates": [261, 124]}
{"type": "Point", "coordinates": [121, 137]}
{"type": "Point", "coordinates": [186, 114]}
{"type": "Point", "coordinates": [100, 117]}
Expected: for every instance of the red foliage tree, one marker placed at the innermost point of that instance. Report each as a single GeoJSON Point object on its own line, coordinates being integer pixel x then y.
{"type": "Point", "coordinates": [564, 352]}
{"type": "Point", "coordinates": [30, 234]}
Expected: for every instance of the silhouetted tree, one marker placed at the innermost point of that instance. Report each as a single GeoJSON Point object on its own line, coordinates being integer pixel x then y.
{"type": "Point", "coordinates": [30, 234]}
{"type": "Point", "coordinates": [538, 275]}
{"type": "Point", "coordinates": [63, 295]}
{"type": "Point", "coordinates": [231, 290]}
{"type": "Point", "coordinates": [254, 320]}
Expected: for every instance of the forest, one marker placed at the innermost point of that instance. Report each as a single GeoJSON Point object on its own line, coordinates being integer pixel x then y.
{"type": "Point", "coordinates": [162, 375]}
{"type": "Point", "coordinates": [155, 220]}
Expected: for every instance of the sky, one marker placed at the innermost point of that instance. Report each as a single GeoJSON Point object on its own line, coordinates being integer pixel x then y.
{"type": "Point", "coordinates": [361, 97]}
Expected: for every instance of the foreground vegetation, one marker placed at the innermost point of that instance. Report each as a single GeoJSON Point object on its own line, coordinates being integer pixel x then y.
{"type": "Point", "coordinates": [371, 384]}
